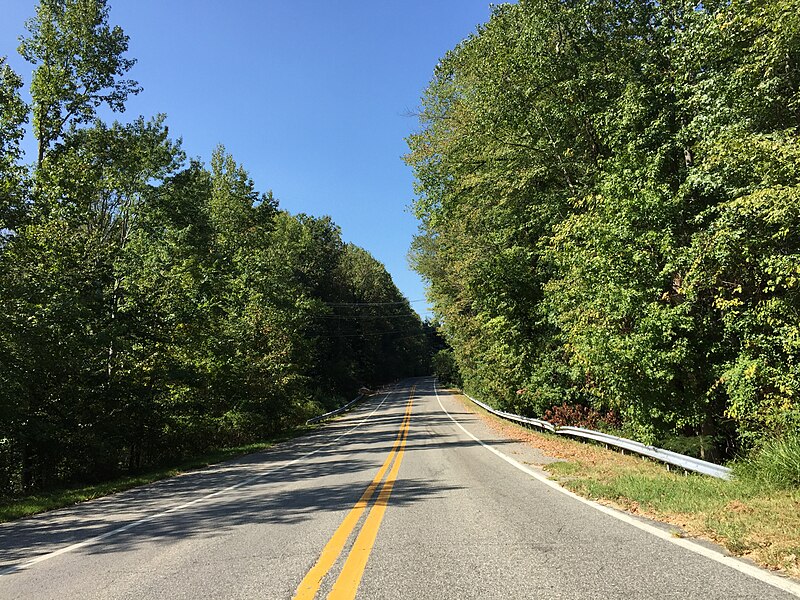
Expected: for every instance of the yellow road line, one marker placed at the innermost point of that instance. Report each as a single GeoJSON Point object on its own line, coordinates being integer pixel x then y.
{"type": "Point", "coordinates": [311, 582]}
{"type": "Point", "coordinates": [349, 579]}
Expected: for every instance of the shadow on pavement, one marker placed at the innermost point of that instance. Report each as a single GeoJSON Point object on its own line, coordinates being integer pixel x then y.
{"type": "Point", "coordinates": [270, 491]}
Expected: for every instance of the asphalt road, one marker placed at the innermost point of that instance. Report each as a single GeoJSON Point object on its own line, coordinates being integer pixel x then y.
{"type": "Point", "coordinates": [395, 500]}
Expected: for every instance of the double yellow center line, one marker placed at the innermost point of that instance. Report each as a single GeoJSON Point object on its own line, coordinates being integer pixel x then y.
{"type": "Point", "coordinates": [349, 579]}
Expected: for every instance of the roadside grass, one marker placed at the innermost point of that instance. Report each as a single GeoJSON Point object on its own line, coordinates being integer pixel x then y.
{"type": "Point", "coordinates": [748, 516]}
{"type": "Point", "coordinates": [776, 463]}
{"type": "Point", "coordinates": [26, 506]}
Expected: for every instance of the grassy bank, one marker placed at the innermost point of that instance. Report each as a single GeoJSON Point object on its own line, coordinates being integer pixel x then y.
{"type": "Point", "coordinates": [749, 517]}
{"type": "Point", "coordinates": [25, 506]}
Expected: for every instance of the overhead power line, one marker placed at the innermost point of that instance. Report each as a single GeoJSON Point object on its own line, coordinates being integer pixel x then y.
{"type": "Point", "coordinates": [351, 317]}
{"type": "Point", "coordinates": [374, 334]}
{"type": "Point", "coordinates": [356, 304]}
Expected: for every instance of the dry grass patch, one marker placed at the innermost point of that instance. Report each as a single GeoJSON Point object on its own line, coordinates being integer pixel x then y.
{"type": "Point", "coordinates": [750, 520]}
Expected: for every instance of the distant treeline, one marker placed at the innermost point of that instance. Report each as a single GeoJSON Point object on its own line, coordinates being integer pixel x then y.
{"type": "Point", "coordinates": [609, 197]}
{"type": "Point", "coordinates": [152, 308]}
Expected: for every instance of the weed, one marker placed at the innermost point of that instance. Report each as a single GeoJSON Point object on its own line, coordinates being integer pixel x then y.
{"type": "Point", "coordinates": [775, 464]}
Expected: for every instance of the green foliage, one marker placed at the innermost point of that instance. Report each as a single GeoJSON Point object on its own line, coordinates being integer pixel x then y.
{"type": "Point", "coordinates": [80, 64]}
{"type": "Point", "coordinates": [746, 264]}
{"type": "Point", "coordinates": [13, 114]}
{"type": "Point", "coordinates": [608, 213]}
{"type": "Point", "coordinates": [152, 310]}
{"type": "Point", "coordinates": [774, 464]}
{"type": "Point", "coordinates": [446, 369]}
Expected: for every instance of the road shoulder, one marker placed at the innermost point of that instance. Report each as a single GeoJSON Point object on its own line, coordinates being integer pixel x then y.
{"type": "Point", "coordinates": [704, 510]}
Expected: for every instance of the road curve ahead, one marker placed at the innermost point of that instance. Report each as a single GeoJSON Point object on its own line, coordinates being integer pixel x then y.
{"type": "Point", "coordinates": [408, 496]}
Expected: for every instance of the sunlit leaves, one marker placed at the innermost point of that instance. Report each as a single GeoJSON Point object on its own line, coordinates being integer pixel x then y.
{"type": "Point", "coordinates": [80, 66]}
{"type": "Point", "coordinates": [628, 158]}
{"type": "Point", "coordinates": [151, 309]}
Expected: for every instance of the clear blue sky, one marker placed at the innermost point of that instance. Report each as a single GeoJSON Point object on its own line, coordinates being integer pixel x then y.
{"type": "Point", "coordinates": [312, 97]}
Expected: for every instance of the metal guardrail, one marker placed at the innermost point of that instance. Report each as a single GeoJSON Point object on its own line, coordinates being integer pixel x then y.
{"type": "Point", "coordinates": [688, 463]}
{"type": "Point", "coordinates": [333, 413]}
{"type": "Point", "coordinates": [518, 418]}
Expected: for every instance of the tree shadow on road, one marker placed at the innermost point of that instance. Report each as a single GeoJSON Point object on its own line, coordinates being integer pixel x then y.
{"type": "Point", "coordinates": [324, 471]}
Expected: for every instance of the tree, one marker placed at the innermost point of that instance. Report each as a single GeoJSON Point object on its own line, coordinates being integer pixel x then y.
{"type": "Point", "coordinates": [150, 309]}
{"type": "Point", "coordinates": [13, 114]}
{"type": "Point", "coordinates": [80, 66]}
{"type": "Point", "coordinates": [607, 195]}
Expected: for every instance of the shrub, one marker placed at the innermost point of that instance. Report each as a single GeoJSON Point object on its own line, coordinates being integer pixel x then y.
{"type": "Point", "coordinates": [578, 415]}
{"type": "Point", "coordinates": [776, 463]}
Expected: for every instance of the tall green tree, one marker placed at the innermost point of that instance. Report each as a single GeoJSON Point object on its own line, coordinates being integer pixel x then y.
{"type": "Point", "coordinates": [79, 66]}
{"type": "Point", "coordinates": [151, 309]}
{"type": "Point", "coordinates": [13, 115]}
{"type": "Point", "coordinates": [606, 197]}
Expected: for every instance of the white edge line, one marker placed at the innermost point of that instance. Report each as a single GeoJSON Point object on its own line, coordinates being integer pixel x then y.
{"type": "Point", "coordinates": [781, 583]}
{"type": "Point", "coordinates": [20, 567]}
